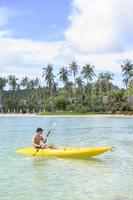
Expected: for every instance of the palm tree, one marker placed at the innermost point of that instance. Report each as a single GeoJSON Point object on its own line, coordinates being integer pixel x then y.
{"type": "Point", "coordinates": [24, 82]}
{"type": "Point", "coordinates": [12, 80]}
{"type": "Point", "coordinates": [97, 88]}
{"type": "Point", "coordinates": [32, 87]}
{"type": "Point", "coordinates": [88, 72]}
{"type": "Point", "coordinates": [74, 68]}
{"type": "Point", "coordinates": [33, 83]}
{"type": "Point", "coordinates": [48, 75]}
{"type": "Point", "coordinates": [69, 89]}
{"type": "Point", "coordinates": [37, 89]}
{"type": "Point", "coordinates": [88, 88]}
{"type": "Point", "coordinates": [127, 70]}
{"type": "Point", "coordinates": [63, 75]}
{"type": "Point", "coordinates": [108, 77]}
{"type": "Point", "coordinates": [102, 84]}
{"type": "Point", "coordinates": [25, 85]}
{"type": "Point", "coordinates": [49, 79]}
{"type": "Point", "coordinates": [3, 82]}
{"type": "Point", "coordinates": [101, 87]}
{"type": "Point", "coordinates": [36, 82]}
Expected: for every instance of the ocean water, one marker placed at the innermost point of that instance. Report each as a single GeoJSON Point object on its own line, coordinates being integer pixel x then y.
{"type": "Point", "coordinates": [106, 177]}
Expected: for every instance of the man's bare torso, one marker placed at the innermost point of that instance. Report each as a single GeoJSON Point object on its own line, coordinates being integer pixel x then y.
{"type": "Point", "coordinates": [37, 139]}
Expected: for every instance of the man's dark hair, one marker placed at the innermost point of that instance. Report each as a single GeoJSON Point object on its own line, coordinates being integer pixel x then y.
{"type": "Point", "coordinates": [39, 130]}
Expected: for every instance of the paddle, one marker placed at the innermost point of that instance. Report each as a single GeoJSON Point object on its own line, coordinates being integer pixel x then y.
{"type": "Point", "coordinates": [45, 140]}
{"type": "Point", "coordinates": [49, 133]}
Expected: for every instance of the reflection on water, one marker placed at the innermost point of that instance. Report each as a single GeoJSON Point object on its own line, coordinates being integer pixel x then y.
{"type": "Point", "coordinates": [107, 177]}
{"type": "Point", "coordinates": [42, 160]}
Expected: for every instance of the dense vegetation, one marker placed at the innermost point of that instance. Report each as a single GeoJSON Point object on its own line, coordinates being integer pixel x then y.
{"type": "Point", "coordinates": [82, 91]}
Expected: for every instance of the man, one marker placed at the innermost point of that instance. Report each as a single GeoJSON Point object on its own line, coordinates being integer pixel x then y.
{"type": "Point", "coordinates": [39, 141]}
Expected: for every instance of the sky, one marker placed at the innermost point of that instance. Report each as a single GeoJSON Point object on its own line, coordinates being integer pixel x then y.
{"type": "Point", "coordinates": [34, 33]}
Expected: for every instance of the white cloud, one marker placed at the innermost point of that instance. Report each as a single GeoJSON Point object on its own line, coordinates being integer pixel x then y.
{"type": "Point", "coordinates": [100, 33]}
{"type": "Point", "coordinates": [101, 25]}
{"type": "Point", "coordinates": [23, 57]}
{"type": "Point", "coordinates": [26, 57]}
{"type": "Point", "coordinates": [105, 61]}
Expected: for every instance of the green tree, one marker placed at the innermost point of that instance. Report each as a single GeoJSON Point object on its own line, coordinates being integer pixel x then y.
{"type": "Point", "coordinates": [74, 68]}
{"type": "Point", "coordinates": [13, 83]}
{"type": "Point", "coordinates": [88, 72]}
{"type": "Point", "coordinates": [102, 84]}
{"type": "Point", "coordinates": [79, 84]}
{"type": "Point", "coordinates": [104, 81]}
{"type": "Point", "coordinates": [50, 81]}
{"type": "Point", "coordinates": [24, 82]}
{"type": "Point", "coordinates": [101, 88]}
{"type": "Point", "coordinates": [64, 75]}
{"type": "Point", "coordinates": [127, 71]}
{"type": "Point", "coordinates": [61, 103]}
{"type": "Point", "coordinates": [12, 80]}
{"type": "Point", "coordinates": [108, 77]}
{"type": "Point", "coordinates": [69, 90]}
{"type": "Point", "coordinates": [3, 82]}
{"type": "Point", "coordinates": [118, 101]}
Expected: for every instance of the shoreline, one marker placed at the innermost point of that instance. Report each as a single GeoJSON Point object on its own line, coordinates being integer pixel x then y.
{"type": "Point", "coordinates": [63, 115]}
{"type": "Point", "coordinates": [17, 115]}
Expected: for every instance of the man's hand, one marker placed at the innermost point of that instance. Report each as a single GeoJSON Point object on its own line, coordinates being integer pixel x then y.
{"type": "Point", "coordinates": [45, 139]}
{"type": "Point", "coordinates": [37, 145]}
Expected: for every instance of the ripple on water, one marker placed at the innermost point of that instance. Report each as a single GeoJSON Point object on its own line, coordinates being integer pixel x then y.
{"type": "Point", "coordinates": [108, 176]}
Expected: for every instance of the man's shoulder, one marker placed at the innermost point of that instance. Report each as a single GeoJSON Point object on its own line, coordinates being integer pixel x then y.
{"type": "Point", "coordinates": [34, 135]}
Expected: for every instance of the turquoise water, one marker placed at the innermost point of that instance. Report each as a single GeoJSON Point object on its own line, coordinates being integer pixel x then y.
{"type": "Point", "coordinates": [106, 177]}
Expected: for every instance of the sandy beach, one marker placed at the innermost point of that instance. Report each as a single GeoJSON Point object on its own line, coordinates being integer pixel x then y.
{"type": "Point", "coordinates": [37, 115]}
{"type": "Point", "coordinates": [17, 115]}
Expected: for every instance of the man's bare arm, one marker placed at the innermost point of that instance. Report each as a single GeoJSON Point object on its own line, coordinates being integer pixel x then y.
{"type": "Point", "coordinates": [33, 143]}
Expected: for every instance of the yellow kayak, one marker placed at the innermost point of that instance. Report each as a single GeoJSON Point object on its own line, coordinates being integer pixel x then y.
{"type": "Point", "coordinates": [65, 151]}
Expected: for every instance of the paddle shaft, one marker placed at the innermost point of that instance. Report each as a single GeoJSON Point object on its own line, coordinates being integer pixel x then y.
{"type": "Point", "coordinates": [45, 140]}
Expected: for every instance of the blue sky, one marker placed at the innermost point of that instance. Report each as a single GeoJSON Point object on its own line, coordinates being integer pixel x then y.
{"type": "Point", "coordinates": [38, 19]}
{"type": "Point", "coordinates": [34, 33]}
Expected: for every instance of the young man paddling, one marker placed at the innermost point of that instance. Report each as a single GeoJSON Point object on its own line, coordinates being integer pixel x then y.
{"type": "Point", "coordinates": [39, 141]}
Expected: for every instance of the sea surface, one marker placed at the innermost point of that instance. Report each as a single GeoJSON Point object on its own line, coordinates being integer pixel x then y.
{"type": "Point", "coordinates": [105, 177]}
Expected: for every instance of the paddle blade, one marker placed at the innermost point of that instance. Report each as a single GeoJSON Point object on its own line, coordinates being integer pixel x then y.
{"type": "Point", "coordinates": [54, 125]}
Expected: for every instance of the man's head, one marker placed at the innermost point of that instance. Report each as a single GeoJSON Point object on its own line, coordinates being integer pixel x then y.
{"type": "Point", "coordinates": [39, 130]}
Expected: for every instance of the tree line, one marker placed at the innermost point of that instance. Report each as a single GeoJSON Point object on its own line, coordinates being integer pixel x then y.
{"type": "Point", "coordinates": [81, 91]}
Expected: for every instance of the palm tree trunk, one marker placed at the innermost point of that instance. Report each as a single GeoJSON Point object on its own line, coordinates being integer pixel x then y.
{"type": "Point", "coordinates": [108, 89]}
{"type": "Point", "coordinates": [53, 99]}
{"type": "Point", "coordinates": [81, 97]}
{"type": "Point", "coordinates": [53, 102]}
{"type": "Point", "coordinates": [1, 92]}
{"type": "Point", "coordinates": [130, 95]}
